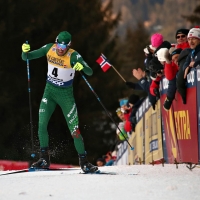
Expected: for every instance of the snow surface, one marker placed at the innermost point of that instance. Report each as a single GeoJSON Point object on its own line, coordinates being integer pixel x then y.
{"type": "Point", "coordinates": [151, 182]}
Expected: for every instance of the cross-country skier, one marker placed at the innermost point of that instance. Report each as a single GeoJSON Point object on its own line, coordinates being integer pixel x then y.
{"type": "Point", "coordinates": [62, 64]}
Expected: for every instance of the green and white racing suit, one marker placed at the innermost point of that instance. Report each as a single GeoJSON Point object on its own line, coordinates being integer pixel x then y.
{"type": "Point", "coordinates": [59, 91]}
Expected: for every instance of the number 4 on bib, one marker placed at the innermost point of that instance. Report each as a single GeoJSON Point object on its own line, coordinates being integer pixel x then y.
{"type": "Point", "coordinates": [55, 72]}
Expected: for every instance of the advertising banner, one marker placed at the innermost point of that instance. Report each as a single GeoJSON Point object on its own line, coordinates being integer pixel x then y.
{"type": "Point", "coordinates": [132, 154]}
{"type": "Point", "coordinates": [153, 135]}
{"type": "Point", "coordinates": [122, 154]}
{"type": "Point", "coordinates": [180, 124]}
{"type": "Point", "coordinates": [147, 129]}
{"type": "Point", "coordinates": [185, 116]}
{"type": "Point", "coordinates": [139, 134]}
{"type": "Point", "coordinates": [169, 126]}
{"type": "Point", "coordinates": [198, 108]}
{"type": "Point", "coordinates": [136, 140]}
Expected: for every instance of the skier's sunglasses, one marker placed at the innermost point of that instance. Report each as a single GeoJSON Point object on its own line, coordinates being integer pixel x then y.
{"type": "Point", "coordinates": [61, 46]}
{"type": "Point", "coordinates": [180, 36]}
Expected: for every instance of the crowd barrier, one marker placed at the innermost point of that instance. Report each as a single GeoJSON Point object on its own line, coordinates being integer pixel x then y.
{"type": "Point", "coordinates": [167, 136]}
{"type": "Point", "coordinates": [122, 154]}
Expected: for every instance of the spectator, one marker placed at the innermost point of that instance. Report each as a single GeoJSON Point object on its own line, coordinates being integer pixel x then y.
{"type": "Point", "coordinates": [100, 162]}
{"type": "Point", "coordinates": [154, 87]}
{"type": "Point", "coordinates": [143, 77]}
{"type": "Point", "coordinates": [181, 38]}
{"type": "Point", "coordinates": [126, 111]}
{"type": "Point", "coordinates": [109, 159]}
{"type": "Point", "coordinates": [155, 66]}
{"type": "Point", "coordinates": [120, 131]}
{"type": "Point", "coordinates": [144, 83]}
{"type": "Point", "coordinates": [170, 71]}
{"type": "Point", "coordinates": [182, 42]}
{"type": "Point", "coordinates": [181, 82]}
{"type": "Point", "coordinates": [193, 59]}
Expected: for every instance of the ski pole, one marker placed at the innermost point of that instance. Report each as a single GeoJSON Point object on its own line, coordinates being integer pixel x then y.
{"type": "Point", "coordinates": [132, 148]}
{"type": "Point", "coordinates": [30, 106]}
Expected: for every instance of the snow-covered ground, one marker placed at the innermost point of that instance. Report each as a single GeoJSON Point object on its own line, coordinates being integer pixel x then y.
{"type": "Point", "coordinates": [151, 182]}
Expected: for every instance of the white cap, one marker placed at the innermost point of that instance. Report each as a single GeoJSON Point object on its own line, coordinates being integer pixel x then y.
{"type": "Point", "coordinates": [162, 54]}
{"type": "Point", "coordinates": [194, 33]}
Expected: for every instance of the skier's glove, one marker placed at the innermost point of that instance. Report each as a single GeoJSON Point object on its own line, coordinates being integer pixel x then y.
{"type": "Point", "coordinates": [78, 66]}
{"type": "Point", "coordinates": [26, 47]}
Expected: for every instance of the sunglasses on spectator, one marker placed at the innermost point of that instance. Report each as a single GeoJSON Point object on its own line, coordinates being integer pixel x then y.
{"type": "Point", "coordinates": [61, 46]}
{"type": "Point", "coordinates": [180, 36]}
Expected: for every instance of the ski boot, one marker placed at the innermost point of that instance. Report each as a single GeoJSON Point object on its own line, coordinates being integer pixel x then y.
{"type": "Point", "coordinates": [44, 161]}
{"type": "Point", "coordinates": [85, 165]}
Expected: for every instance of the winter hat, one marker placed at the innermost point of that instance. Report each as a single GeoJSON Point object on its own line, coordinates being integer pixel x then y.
{"type": "Point", "coordinates": [133, 99]}
{"type": "Point", "coordinates": [64, 38]}
{"type": "Point", "coordinates": [156, 40]}
{"type": "Point", "coordinates": [194, 32]}
{"type": "Point", "coordinates": [182, 31]}
{"type": "Point", "coordinates": [162, 54]}
{"type": "Point", "coordinates": [123, 102]}
{"type": "Point", "coordinates": [176, 51]}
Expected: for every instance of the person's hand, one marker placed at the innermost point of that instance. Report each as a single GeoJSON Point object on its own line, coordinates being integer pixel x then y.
{"type": "Point", "coordinates": [125, 107]}
{"type": "Point", "coordinates": [188, 68]}
{"type": "Point", "coordinates": [157, 92]}
{"type": "Point", "coordinates": [152, 100]}
{"type": "Point", "coordinates": [26, 47]}
{"type": "Point", "coordinates": [191, 64]}
{"type": "Point", "coordinates": [78, 66]}
{"type": "Point", "coordinates": [186, 72]}
{"type": "Point", "coordinates": [163, 55]}
{"type": "Point", "coordinates": [138, 73]}
{"type": "Point", "coordinates": [153, 106]}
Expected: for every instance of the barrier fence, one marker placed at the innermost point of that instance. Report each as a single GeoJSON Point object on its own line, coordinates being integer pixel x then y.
{"type": "Point", "coordinates": [170, 136]}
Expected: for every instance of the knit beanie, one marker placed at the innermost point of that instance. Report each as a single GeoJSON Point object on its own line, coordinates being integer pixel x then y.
{"type": "Point", "coordinates": [194, 33]}
{"type": "Point", "coordinates": [156, 40]}
{"type": "Point", "coordinates": [133, 99]}
{"type": "Point", "coordinates": [182, 31]}
{"type": "Point", "coordinates": [123, 102]}
{"type": "Point", "coordinates": [64, 38]}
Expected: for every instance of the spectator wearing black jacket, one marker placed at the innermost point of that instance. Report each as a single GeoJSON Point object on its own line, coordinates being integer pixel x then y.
{"type": "Point", "coordinates": [193, 59]}
{"type": "Point", "coordinates": [181, 82]}
{"type": "Point", "coordinates": [143, 76]}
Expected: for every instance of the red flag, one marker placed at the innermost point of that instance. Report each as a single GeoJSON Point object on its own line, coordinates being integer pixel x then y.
{"type": "Point", "coordinates": [103, 62]}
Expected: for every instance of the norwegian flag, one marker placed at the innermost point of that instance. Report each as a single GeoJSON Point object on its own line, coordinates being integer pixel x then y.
{"type": "Point", "coordinates": [103, 62]}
